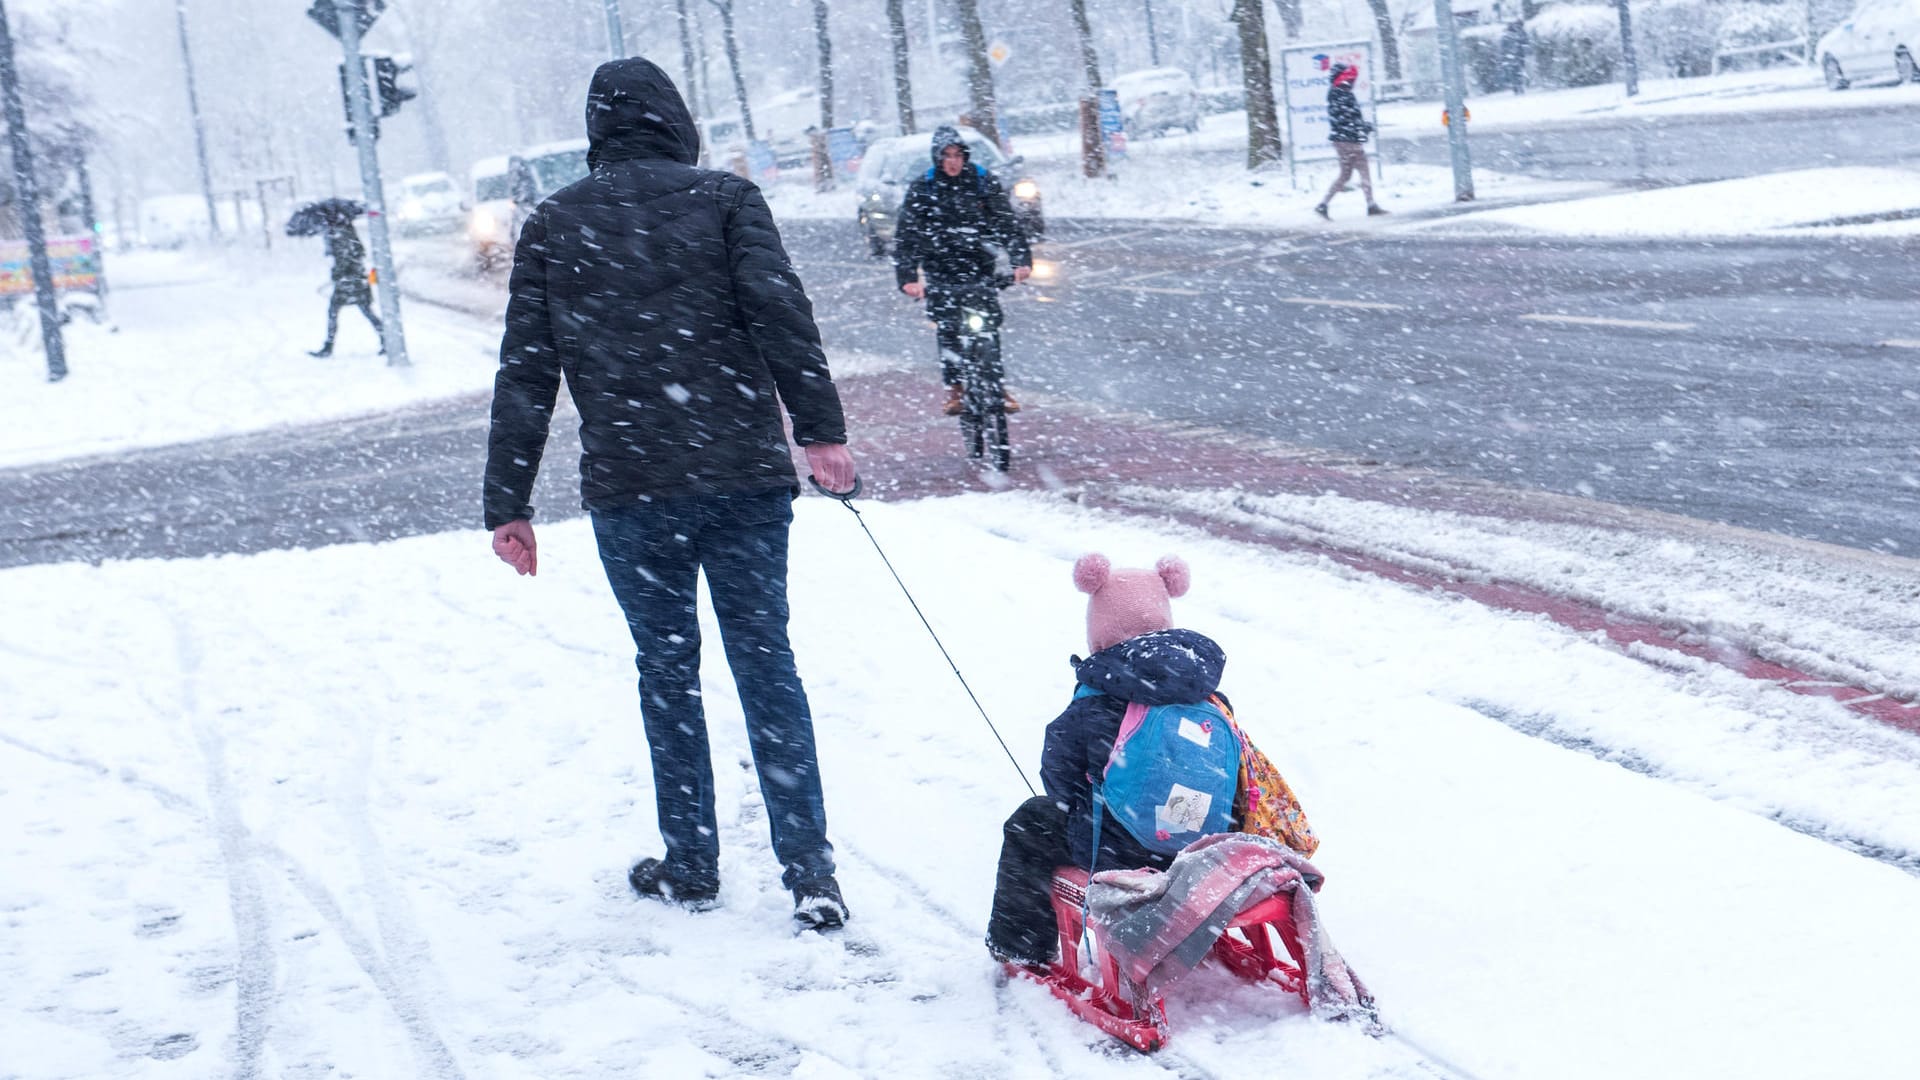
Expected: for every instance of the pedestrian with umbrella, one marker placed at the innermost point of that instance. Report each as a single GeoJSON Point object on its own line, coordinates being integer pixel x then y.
{"type": "Point", "coordinates": [333, 218]}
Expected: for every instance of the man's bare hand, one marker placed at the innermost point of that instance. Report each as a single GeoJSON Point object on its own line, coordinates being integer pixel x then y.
{"type": "Point", "coordinates": [832, 466]}
{"type": "Point", "coordinates": [515, 545]}
{"type": "Point", "coordinates": [915, 290]}
{"type": "Point", "coordinates": [1021, 273]}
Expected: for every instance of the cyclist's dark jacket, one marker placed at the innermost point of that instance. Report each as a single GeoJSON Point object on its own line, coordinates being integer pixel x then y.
{"type": "Point", "coordinates": [662, 292]}
{"type": "Point", "coordinates": [947, 221]}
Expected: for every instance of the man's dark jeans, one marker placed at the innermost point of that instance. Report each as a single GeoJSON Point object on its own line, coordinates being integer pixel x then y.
{"type": "Point", "coordinates": [653, 552]}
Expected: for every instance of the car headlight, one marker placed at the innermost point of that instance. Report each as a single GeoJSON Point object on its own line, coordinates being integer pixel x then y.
{"type": "Point", "coordinates": [411, 209]}
{"type": "Point", "coordinates": [1026, 189]}
{"type": "Point", "coordinates": [483, 226]}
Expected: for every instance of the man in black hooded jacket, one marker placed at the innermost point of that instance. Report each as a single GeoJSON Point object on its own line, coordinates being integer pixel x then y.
{"type": "Point", "coordinates": [662, 294]}
{"type": "Point", "coordinates": [941, 251]}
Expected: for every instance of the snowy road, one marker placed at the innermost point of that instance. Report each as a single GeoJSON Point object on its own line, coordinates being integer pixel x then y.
{"type": "Point", "coordinates": [1759, 383]}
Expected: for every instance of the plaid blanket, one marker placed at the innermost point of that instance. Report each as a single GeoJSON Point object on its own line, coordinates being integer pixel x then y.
{"type": "Point", "coordinates": [1161, 925]}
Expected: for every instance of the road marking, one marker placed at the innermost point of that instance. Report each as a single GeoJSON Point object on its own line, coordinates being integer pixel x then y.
{"type": "Point", "coordinates": [1149, 274]}
{"type": "Point", "coordinates": [1901, 343]}
{"type": "Point", "coordinates": [1051, 246]}
{"type": "Point", "coordinates": [1364, 305]}
{"type": "Point", "coordinates": [1596, 320]}
{"type": "Point", "coordinates": [1159, 289]}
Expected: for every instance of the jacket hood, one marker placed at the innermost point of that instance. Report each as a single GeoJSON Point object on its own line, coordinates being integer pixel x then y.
{"type": "Point", "coordinates": [1166, 667]}
{"type": "Point", "coordinates": [635, 112]}
{"type": "Point", "coordinates": [947, 135]}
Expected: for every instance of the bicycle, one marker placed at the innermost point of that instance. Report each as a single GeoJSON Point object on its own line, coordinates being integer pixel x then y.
{"type": "Point", "coordinates": [983, 401]}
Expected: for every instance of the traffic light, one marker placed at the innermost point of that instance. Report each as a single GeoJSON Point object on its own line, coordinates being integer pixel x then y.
{"type": "Point", "coordinates": [389, 90]}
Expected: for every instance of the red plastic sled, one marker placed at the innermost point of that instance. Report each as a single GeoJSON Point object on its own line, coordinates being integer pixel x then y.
{"type": "Point", "coordinates": [1248, 949]}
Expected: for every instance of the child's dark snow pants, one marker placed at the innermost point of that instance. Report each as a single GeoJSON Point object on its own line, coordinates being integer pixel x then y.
{"type": "Point", "coordinates": [1022, 927]}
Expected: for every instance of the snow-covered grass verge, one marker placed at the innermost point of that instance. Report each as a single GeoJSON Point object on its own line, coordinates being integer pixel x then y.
{"type": "Point", "coordinates": [206, 344]}
{"type": "Point", "coordinates": [202, 344]}
{"type": "Point", "coordinates": [366, 810]}
{"type": "Point", "coordinates": [1803, 201]}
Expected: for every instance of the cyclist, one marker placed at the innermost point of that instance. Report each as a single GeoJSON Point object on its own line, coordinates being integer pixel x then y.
{"type": "Point", "coordinates": [941, 250]}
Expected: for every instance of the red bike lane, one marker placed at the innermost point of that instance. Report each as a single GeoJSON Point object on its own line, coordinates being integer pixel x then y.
{"type": "Point", "coordinates": [907, 450]}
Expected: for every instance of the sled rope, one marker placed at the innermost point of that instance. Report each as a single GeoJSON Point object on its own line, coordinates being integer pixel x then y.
{"type": "Point", "coordinates": [846, 500]}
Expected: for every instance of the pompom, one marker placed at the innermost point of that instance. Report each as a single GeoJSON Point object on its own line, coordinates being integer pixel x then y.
{"type": "Point", "coordinates": [1090, 572]}
{"type": "Point", "coordinates": [1174, 572]}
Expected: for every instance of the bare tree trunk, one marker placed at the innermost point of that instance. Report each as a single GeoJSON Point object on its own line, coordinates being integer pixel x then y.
{"type": "Point", "coordinates": [1291, 18]}
{"type": "Point", "coordinates": [826, 64]}
{"type": "Point", "coordinates": [902, 78]}
{"type": "Point", "coordinates": [1263, 119]}
{"type": "Point", "coordinates": [1389, 42]}
{"type": "Point", "coordinates": [982, 110]}
{"type": "Point", "coordinates": [689, 87]}
{"type": "Point", "coordinates": [1089, 60]}
{"type": "Point", "coordinates": [725, 7]}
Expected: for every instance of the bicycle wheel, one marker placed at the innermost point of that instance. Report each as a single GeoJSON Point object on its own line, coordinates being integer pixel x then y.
{"type": "Point", "coordinates": [1002, 448]}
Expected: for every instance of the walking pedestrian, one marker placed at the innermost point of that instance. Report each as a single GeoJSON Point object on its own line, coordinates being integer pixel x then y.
{"type": "Point", "coordinates": [350, 285]}
{"type": "Point", "coordinates": [662, 293]}
{"type": "Point", "coordinates": [1347, 130]}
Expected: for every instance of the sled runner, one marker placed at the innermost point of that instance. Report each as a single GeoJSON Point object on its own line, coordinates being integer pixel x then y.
{"type": "Point", "coordinates": [1260, 945]}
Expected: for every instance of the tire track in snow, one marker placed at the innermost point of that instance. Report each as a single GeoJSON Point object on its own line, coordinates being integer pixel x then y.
{"type": "Point", "coordinates": [255, 962]}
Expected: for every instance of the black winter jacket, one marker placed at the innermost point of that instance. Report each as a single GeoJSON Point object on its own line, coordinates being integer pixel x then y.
{"type": "Point", "coordinates": [946, 223]}
{"type": "Point", "coordinates": [349, 261]}
{"type": "Point", "coordinates": [1167, 667]}
{"type": "Point", "coordinates": [662, 292]}
{"type": "Point", "coordinates": [1345, 121]}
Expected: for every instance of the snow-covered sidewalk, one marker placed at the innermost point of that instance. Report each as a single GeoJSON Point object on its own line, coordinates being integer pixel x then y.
{"type": "Point", "coordinates": [206, 343]}
{"type": "Point", "coordinates": [366, 811]}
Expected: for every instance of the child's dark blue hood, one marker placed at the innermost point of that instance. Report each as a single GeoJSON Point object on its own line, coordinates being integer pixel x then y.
{"type": "Point", "coordinates": [1166, 667]}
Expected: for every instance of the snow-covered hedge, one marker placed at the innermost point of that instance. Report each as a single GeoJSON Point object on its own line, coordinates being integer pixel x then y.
{"type": "Point", "coordinates": [1575, 44]}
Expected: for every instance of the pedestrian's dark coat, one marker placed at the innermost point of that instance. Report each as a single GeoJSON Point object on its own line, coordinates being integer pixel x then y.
{"type": "Point", "coordinates": [662, 292]}
{"type": "Point", "coordinates": [1166, 667]}
{"type": "Point", "coordinates": [1345, 120]}
{"type": "Point", "coordinates": [946, 222]}
{"type": "Point", "coordinates": [349, 263]}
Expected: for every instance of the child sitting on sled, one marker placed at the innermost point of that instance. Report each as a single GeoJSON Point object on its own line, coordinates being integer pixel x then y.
{"type": "Point", "coordinates": [1137, 658]}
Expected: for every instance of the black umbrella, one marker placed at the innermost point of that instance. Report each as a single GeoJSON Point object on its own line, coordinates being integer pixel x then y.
{"type": "Point", "coordinates": [317, 217]}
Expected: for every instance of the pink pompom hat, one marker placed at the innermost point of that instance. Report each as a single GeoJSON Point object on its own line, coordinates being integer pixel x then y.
{"type": "Point", "coordinates": [1127, 603]}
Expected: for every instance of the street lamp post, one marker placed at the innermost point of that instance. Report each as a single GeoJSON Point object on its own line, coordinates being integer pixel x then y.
{"type": "Point", "coordinates": [199, 126]}
{"type": "Point", "coordinates": [616, 38]}
{"type": "Point", "coordinates": [1153, 39]}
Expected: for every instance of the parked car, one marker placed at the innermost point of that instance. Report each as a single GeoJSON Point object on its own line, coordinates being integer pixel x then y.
{"type": "Point", "coordinates": [889, 165]}
{"type": "Point", "coordinates": [1158, 100]}
{"type": "Point", "coordinates": [426, 203]}
{"type": "Point", "coordinates": [528, 178]}
{"type": "Point", "coordinates": [1876, 44]}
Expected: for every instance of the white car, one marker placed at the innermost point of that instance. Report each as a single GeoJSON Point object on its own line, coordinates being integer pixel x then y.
{"type": "Point", "coordinates": [490, 223]}
{"type": "Point", "coordinates": [507, 189]}
{"type": "Point", "coordinates": [427, 202]}
{"type": "Point", "coordinates": [1876, 44]}
{"type": "Point", "coordinates": [1158, 100]}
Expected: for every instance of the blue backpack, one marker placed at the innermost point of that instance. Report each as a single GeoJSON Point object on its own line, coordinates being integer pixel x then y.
{"type": "Point", "coordinates": [1172, 776]}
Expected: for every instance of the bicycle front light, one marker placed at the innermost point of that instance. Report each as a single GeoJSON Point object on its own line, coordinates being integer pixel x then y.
{"type": "Point", "coordinates": [976, 322]}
